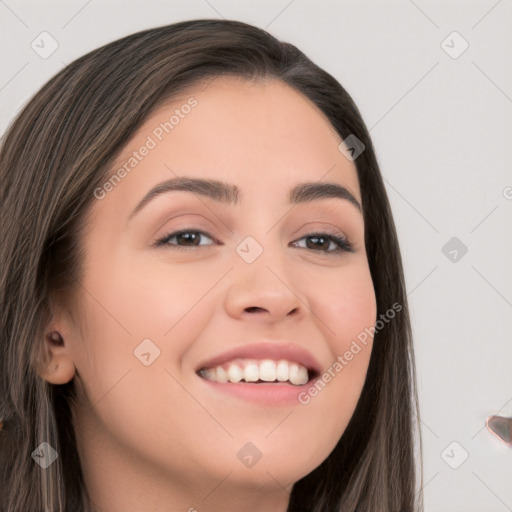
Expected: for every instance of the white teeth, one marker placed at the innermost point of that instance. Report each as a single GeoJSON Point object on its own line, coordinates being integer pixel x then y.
{"type": "Point", "coordinates": [298, 374]}
{"type": "Point", "coordinates": [209, 373]}
{"type": "Point", "coordinates": [282, 371]}
{"type": "Point", "coordinates": [235, 373]}
{"type": "Point", "coordinates": [268, 370]}
{"type": "Point", "coordinates": [221, 375]}
{"type": "Point", "coordinates": [265, 370]}
{"type": "Point", "coordinates": [251, 372]}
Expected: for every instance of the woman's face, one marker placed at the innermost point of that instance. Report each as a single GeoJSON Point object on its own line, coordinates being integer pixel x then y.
{"type": "Point", "coordinates": [246, 273]}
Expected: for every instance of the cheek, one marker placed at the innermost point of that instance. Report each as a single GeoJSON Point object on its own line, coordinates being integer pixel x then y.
{"type": "Point", "coordinates": [141, 297]}
{"type": "Point", "coordinates": [127, 305]}
{"type": "Point", "coordinates": [345, 308]}
{"type": "Point", "coordinates": [345, 304]}
{"type": "Point", "coordinates": [161, 294]}
{"type": "Point", "coordinates": [145, 407]}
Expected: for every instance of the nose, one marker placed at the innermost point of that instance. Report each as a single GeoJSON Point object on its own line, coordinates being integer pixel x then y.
{"type": "Point", "coordinates": [264, 290]}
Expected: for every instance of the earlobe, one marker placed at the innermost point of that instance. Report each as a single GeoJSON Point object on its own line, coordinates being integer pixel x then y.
{"type": "Point", "coordinates": [60, 368]}
{"type": "Point", "coordinates": [59, 371]}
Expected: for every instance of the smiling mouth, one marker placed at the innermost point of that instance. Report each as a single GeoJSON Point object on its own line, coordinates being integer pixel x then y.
{"type": "Point", "coordinates": [265, 371]}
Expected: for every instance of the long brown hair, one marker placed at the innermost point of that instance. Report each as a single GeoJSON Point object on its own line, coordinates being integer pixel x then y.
{"type": "Point", "coordinates": [60, 148]}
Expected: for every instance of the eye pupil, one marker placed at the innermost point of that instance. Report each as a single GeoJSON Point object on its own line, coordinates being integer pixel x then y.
{"type": "Point", "coordinates": [316, 238]}
{"type": "Point", "coordinates": [188, 236]}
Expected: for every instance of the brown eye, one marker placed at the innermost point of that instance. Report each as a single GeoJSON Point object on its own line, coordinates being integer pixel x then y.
{"type": "Point", "coordinates": [184, 238]}
{"type": "Point", "coordinates": [321, 242]}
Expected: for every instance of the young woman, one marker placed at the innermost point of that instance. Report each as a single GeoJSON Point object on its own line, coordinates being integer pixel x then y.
{"type": "Point", "coordinates": [202, 297]}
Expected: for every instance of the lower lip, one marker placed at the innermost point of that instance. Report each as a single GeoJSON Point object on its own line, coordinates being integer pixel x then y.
{"type": "Point", "coordinates": [262, 393]}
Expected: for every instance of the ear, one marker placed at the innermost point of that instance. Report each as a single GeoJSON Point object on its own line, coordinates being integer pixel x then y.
{"type": "Point", "coordinates": [57, 366]}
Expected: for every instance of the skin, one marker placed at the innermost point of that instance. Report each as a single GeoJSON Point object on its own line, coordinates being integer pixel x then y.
{"type": "Point", "coordinates": [155, 437]}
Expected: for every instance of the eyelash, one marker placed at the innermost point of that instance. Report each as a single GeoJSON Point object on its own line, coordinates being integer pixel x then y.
{"type": "Point", "coordinates": [343, 244]}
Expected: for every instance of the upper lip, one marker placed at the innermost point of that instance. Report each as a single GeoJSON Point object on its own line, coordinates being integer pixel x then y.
{"type": "Point", "coordinates": [269, 350]}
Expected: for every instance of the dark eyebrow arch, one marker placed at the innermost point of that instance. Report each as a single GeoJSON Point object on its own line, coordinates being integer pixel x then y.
{"type": "Point", "coordinates": [230, 194]}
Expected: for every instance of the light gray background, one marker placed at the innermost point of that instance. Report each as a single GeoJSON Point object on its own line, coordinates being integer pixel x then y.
{"type": "Point", "coordinates": [442, 128]}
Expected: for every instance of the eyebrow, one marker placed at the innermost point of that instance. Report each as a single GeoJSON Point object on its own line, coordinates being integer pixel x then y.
{"type": "Point", "coordinates": [230, 194]}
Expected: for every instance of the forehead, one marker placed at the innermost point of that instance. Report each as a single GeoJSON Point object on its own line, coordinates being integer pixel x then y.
{"type": "Point", "coordinates": [263, 136]}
